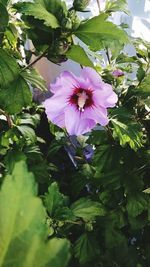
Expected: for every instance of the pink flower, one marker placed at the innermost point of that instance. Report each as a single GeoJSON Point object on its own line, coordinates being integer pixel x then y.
{"type": "Point", "coordinates": [79, 103]}
{"type": "Point", "coordinates": [117, 73]}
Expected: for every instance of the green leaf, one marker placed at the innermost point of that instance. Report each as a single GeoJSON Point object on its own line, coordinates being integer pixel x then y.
{"type": "Point", "coordinates": [22, 225]}
{"type": "Point", "coordinates": [98, 33]}
{"type": "Point", "coordinates": [56, 204]}
{"type": "Point", "coordinates": [80, 5]}
{"type": "Point", "coordinates": [113, 237]}
{"type": "Point", "coordinates": [128, 133]}
{"type": "Point", "coordinates": [87, 209]}
{"type": "Point", "coordinates": [58, 8]}
{"type": "Point", "coordinates": [116, 5]}
{"type": "Point", "coordinates": [16, 96]}
{"type": "Point", "coordinates": [86, 248]}
{"type": "Point", "coordinates": [53, 199]}
{"type": "Point", "coordinates": [38, 10]}
{"type": "Point", "coordinates": [5, 2]}
{"type": "Point", "coordinates": [140, 74]}
{"type": "Point", "coordinates": [136, 204]}
{"type": "Point", "coordinates": [107, 165]}
{"type": "Point", "coordinates": [78, 54]}
{"type": "Point", "coordinates": [144, 89]}
{"type": "Point", "coordinates": [9, 66]}
{"type": "Point", "coordinates": [4, 18]}
{"type": "Point", "coordinates": [27, 132]}
{"type": "Point", "coordinates": [33, 77]}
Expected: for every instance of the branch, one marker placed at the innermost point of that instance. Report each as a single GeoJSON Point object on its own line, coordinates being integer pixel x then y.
{"type": "Point", "coordinates": [36, 60]}
{"type": "Point", "coordinates": [99, 7]}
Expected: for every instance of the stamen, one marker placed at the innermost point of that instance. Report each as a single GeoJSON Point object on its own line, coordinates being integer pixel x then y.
{"type": "Point", "coordinates": [81, 109]}
{"type": "Point", "coordinates": [82, 97]}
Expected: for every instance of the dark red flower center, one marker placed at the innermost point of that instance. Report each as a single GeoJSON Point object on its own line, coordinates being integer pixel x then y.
{"type": "Point", "coordinates": [82, 98]}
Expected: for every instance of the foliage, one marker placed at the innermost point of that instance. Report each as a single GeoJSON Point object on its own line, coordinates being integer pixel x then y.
{"type": "Point", "coordinates": [23, 231]}
{"type": "Point", "coordinates": [91, 192]}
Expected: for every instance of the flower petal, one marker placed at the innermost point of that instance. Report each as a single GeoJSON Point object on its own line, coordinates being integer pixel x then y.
{"type": "Point", "coordinates": [91, 75]}
{"type": "Point", "coordinates": [64, 82]}
{"type": "Point", "coordinates": [105, 97]}
{"type": "Point", "coordinates": [75, 125]}
{"type": "Point", "coordinates": [97, 114]}
{"type": "Point", "coordinates": [54, 108]}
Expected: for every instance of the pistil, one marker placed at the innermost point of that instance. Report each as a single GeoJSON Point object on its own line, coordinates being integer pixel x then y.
{"type": "Point", "coordinates": [82, 97]}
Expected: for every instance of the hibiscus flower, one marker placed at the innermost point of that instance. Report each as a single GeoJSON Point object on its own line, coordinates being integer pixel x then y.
{"type": "Point", "coordinates": [79, 103]}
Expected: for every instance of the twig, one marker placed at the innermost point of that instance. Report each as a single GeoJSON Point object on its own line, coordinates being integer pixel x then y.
{"type": "Point", "coordinates": [108, 56]}
{"type": "Point", "coordinates": [99, 7]}
{"type": "Point", "coordinates": [74, 222]}
{"type": "Point", "coordinates": [36, 60]}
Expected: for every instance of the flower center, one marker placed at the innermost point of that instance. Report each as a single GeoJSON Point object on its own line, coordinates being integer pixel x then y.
{"type": "Point", "coordinates": [82, 98]}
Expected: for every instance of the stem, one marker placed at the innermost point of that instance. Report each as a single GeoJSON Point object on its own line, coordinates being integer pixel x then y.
{"type": "Point", "coordinates": [36, 60]}
{"type": "Point", "coordinates": [99, 7]}
{"type": "Point", "coordinates": [72, 222]}
{"type": "Point", "coordinates": [108, 56]}
{"type": "Point", "coordinates": [8, 118]}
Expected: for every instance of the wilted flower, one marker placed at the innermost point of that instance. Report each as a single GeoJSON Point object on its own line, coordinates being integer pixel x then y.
{"type": "Point", "coordinates": [79, 103]}
{"type": "Point", "coordinates": [117, 73]}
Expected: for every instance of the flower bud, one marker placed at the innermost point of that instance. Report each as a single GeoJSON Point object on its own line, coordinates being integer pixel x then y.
{"type": "Point", "coordinates": [80, 5]}
{"type": "Point", "coordinates": [117, 73]}
{"type": "Point", "coordinates": [57, 59]}
{"type": "Point", "coordinates": [61, 46]}
{"type": "Point", "coordinates": [67, 24]}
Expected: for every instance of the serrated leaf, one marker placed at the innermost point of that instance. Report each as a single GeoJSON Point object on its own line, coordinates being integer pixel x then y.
{"type": "Point", "coordinates": [107, 165]}
{"type": "Point", "coordinates": [78, 54]}
{"type": "Point", "coordinates": [136, 204]}
{"type": "Point", "coordinates": [53, 199]}
{"type": "Point", "coordinates": [116, 5]}
{"type": "Point", "coordinates": [98, 33]}
{"type": "Point", "coordinates": [144, 89]}
{"type": "Point", "coordinates": [39, 11]}
{"type": "Point", "coordinates": [9, 66]}
{"type": "Point", "coordinates": [4, 17]}
{"type": "Point", "coordinates": [22, 225]}
{"type": "Point", "coordinates": [27, 132]}
{"type": "Point", "coordinates": [114, 237]}
{"type": "Point", "coordinates": [87, 209]}
{"type": "Point", "coordinates": [128, 133]}
{"type": "Point", "coordinates": [33, 77]}
{"type": "Point", "coordinates": [86, 248]}
{"type": "Point", "coordinates": [56, 204]}
{"type": "Point", "coordinates": [57, 8]}
{"type": "Point", "coordinates": [140, 74]}
{"type": "Point", "coordinates": [16, 96]}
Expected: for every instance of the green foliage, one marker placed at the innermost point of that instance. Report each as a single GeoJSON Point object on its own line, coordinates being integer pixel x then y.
{"type": "Point", "coordinates": [80, 5]}
{"type": "Point", "coordinates": [144, 89]}
{"type": "Point", "coordinates": [86, 248]}
{"type": "Point", "coordinates": [82, 57]}
{"type": "Point", "coordinates": [38, 10]}
{"type": "Point", "coordinates": [56, 203]}
{"type": "Point", "coordinates": [33, 77]}
{"type": "Point", "coordinates": [23, 231]}
{"type": "Point", "coordinates": [130, 133]}
{"type": "Point", "coordinates": [137, 204]}
{"type": "Point", "coordinates": [7, 65]}
{"type": "Point", "coordinates": [116, 5]}
{"type": "Point", "coordinates": [4, 20]}
{"type": "Point", "coordinates": [98, 33]}
{"type": "Point", "coordinates": [87, 209]}
{"type": "Point", "coordinates": [19, 96]}
{"type": "Point", "coordinates": [94, 188]}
